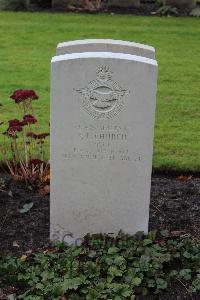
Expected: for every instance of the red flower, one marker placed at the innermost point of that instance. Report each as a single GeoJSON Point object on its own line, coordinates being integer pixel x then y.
{"type": "Point", "coordinates": [31, 135]}
{"type": "Point", "coordinates": [13, 123]}
{"type": "Point", "coordinates": [37, 136]}
{"type": "Point", "coordinates": [23, 123]}
{"type": "Point", "coordinates": [10, 133]}
{"type": "Point", "coordinates": [29, 119]}
{"type": "Point", "coordinates": [35, 162]}
{"type": "Point", "coordinates": [43, 135]}
{"type": "Point", "coordinates": [22, 95]}
{"type": "Point", "coordinates": [14, 126]}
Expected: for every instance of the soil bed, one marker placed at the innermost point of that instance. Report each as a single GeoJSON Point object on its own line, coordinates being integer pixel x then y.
{"type": "Point", "coordinates": [175, 206]}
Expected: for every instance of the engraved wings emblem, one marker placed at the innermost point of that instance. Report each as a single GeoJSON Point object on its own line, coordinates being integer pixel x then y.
{"type": "Point", "coordinates": [102, 94]}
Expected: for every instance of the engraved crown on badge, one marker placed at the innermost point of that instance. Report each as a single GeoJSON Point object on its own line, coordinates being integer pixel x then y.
{"type": "Point", "coordinates": [104, 73]}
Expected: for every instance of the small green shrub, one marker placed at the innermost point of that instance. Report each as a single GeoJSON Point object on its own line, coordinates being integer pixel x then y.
{"type": "Point", "coordinates": [195, 12]}
{"type": "Point", "coordinates": [167, 10]}
{"type": "Point", "coordinates": [104, 267]}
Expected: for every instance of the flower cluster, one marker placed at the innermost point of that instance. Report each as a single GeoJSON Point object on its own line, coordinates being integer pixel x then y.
{"type": "Point", "coordinates": [25, 151]}
{"type": "Point", "coordinates": [22, 95]}
{"type": "Point", "coordinates": [16, 125]}
{"type": "Point", "coordinates": [29, 119]}
{"type": "Point", "coordinates": [39, 136]}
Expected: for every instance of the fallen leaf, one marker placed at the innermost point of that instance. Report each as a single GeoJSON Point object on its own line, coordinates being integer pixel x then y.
{"type": "Point", "coordinates": [23, 258]}
{"type": "Point", "coordinates": [162, 243]}
{"type": "Point", "coordinates": [15, 244]}
{"type": "Point", "coordinates": [184, 178]}
{"type": "Point", "coordinates": [11, 297]}
{"type": "Point", "coordinates": [29, 252]}
{"type": "Point", "coordinates": [177, 233]}
{"type": "Point", "coordinates": [26, 208]}
{"type": "Point", "coordinates": [8, 293]}
{"type": "Point", "coordinates": [46, 176]}
{"type": "Point", "coordinates": [10, 194]}
{"type": "Point", "coordinates": [17, 178]}
{"type": "Point", "coordinates": [45, 190]}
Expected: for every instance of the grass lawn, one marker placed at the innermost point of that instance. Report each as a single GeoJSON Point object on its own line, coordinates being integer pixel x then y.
{"type": "Point", "coordinates": [28, 41]}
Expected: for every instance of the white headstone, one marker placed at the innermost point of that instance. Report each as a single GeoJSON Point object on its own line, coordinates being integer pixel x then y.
{"type": "Point", "coordinates": [105, 45]}
{"type": "Point", "coordinates": [102, 124]}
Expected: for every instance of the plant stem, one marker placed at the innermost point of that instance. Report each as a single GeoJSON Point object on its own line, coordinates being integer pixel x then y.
{"type": "Point", "coordinates": [25, 147]}
{"type": "Point", "coordinates": [16, 151]}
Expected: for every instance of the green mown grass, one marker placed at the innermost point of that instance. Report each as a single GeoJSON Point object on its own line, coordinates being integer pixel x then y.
{"type": "Point", "coordinates": [28, 41]}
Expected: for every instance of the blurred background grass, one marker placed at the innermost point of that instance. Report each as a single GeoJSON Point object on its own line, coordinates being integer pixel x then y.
{"type": "Point", "coordinates": [28, 41]}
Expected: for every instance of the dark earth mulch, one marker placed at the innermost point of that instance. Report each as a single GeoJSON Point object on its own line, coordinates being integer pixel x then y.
{"type": "Point", "coordinates": [175, 206]}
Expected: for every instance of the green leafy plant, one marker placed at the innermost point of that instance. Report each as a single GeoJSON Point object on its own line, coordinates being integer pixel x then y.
{"type": "Point", "coordinates": [104, 267]}
{"type": "Point", "coordinates": [26, 208]}
{"type": "Point", "coordinates": [23, 150]}
{"type": "Point", "coordinates": [195, 12]}
{"type": "Point", "coordinates": [167, 10]}
{"type": "Point", "coordinates": [13, 4]}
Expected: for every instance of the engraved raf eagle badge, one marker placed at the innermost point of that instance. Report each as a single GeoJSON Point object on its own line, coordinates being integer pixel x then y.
{"type": "Point", "coordinates": [102, 98]}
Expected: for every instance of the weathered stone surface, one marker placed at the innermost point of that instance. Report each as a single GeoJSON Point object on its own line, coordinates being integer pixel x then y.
{"type": "Point", "coordinates": [102, 123]}
{"type": "Point", "coordinates": [105, 45]}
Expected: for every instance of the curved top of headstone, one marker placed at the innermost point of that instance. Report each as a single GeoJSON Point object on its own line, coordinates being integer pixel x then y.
{"type": "Point", "coordinates": [119, 56]}
{"type": "Point", "coordinates": [105, 45]}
